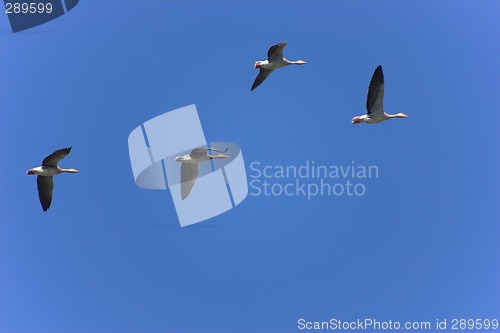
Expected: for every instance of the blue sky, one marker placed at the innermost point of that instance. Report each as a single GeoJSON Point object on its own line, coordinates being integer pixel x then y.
{"type": "Point", "coordinates": [421, 244]}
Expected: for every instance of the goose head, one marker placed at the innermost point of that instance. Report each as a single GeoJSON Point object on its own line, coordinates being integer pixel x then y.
{"type": "Point", "coordinates": [258, 64]}
{"type": "Point", "coordinates": [35, 171]}
{"type": "Point", "coordinates": [357, 120]}
{"type": "Point", "coordinates": [183, 158]}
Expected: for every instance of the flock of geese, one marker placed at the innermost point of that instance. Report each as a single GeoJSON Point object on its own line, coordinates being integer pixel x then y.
{"type": "Point", "coordinates": [189, 167]}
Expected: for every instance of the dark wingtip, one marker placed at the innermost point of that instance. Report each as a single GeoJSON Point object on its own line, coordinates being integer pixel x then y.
{"type": "Point", "coordinates": [378, 73]}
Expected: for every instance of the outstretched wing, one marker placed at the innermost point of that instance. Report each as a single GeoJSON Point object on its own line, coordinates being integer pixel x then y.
{"type": "Point", "coordinates": [189, 172]}
{"type": "Point", "coordinates": [199, 153]}
{"type": "Point", "coordinates": [263, 74]}
{"type": "Point", "coordinates": [276, 52]}
{"type": "Point", "coordinates": [375, 99]}
{"type": "Point", "coordinates": [220, 151]}
{"type": "Point", "coordinates": [45, 187]}
{"type": "Point", "coordinates": [55, 157]}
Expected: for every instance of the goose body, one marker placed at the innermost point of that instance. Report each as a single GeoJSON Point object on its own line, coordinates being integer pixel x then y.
{"type": "Point", "coordinates": [374, 102]}
{"type": "Point", "coordinates": [46, 173]}
{"type": "Point", "coordinates": [274, 61]}
{"type": "Point", "coordinates": [189, 166]}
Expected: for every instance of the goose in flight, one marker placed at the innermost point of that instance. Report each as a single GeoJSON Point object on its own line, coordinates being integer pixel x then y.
{"type": "Point", "coordinates": [374, 102]}
{"type": "Point", "coordinates": [189, 166]}
{"type": "Point", "coordinates": [274, 60]}
{"type": "Point", "coordinates": [46, 173]}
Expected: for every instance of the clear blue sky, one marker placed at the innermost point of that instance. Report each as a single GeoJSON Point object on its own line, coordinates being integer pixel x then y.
{"type": "Point", "coordinates": [421, 244]}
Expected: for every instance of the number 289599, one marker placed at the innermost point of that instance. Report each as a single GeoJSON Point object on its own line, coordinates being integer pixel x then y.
{"type": "Point", "coordinates": [474, 324]}
{"type": "Point", "coordinates": [28, 7]}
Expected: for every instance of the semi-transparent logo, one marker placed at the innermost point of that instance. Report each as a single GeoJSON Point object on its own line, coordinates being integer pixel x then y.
{"type": "Point", "coordinates": [217, 184]}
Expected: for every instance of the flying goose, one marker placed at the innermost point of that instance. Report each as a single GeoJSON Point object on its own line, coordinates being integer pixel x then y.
{"type": "Point", "coordinates": [274, 60]}
{"type": "Point", "coordinates": [374, 102]}
{"type": "Point", "coordinates": [46, 172]}
{"type": "Point", "coordinates": [189, 167]}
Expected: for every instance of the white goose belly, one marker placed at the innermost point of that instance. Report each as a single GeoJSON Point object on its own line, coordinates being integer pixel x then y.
{"type": "Point", "coordinates": [46, 171]}
{"type": "Point", "coordinates": [274, 65]}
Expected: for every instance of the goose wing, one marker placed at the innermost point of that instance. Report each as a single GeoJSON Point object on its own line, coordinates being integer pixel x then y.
{"type": "Point", "coordinates": [199, 153]}
{"type": "Point", "coordinates": [55, 157]}
{"type": "Point", "coordinates": [220, 151]}
{"type": "Point", "coordinates": [263, 74]}
{"type": "Point", "coordinates": [45, 186]}
{"type": "Point", "coordinates": [276, 52]}
{"type": "Point", "coordinates": [375, 99]}
{"type": "Point", "coordinates": [189, 172]}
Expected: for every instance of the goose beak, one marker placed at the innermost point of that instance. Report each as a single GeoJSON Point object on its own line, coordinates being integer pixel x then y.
{"type": "Point", "coordinates": [30, 172]}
